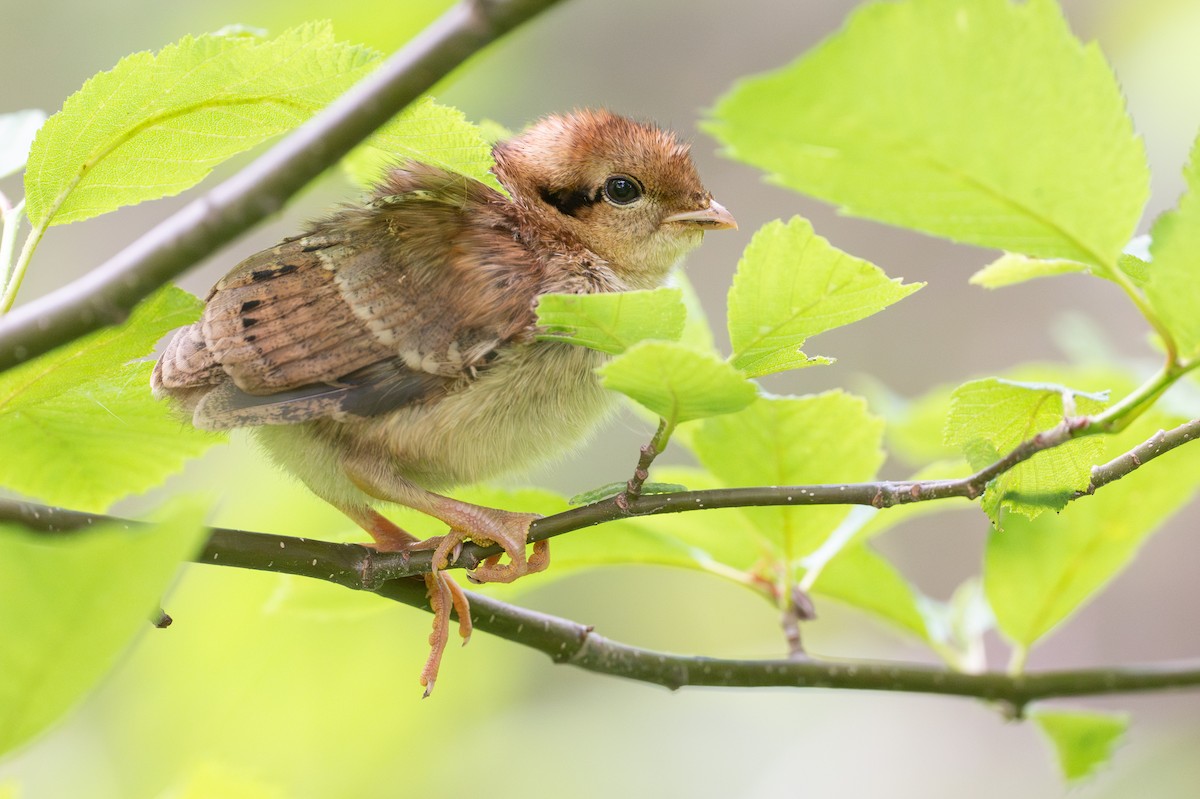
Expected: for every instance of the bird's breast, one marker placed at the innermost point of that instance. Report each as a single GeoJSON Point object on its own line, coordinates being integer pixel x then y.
{"type": "Point", "coordinates": [534, 403]}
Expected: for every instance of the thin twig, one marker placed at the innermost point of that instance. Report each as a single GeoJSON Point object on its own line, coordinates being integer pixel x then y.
{"type": "Point", "coordinates": [646, 456]}
{"type": "Point", "coordinates": [106, 294]}
{"type": "Point", "coordinates": [1158, 444]}
{"type": "Point", "coordinates": [240, 548]}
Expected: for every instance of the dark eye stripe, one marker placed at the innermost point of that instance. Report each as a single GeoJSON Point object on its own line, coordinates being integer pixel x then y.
{"type": "Point", "coordinates": [569, 202]}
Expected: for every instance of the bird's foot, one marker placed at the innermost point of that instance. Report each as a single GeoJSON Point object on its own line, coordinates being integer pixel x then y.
{"type": "Point", "coordinates": [479, 524]}
{"type": "Point", "coordinates": [444, 593]}
{"type": "Point", "coordinates": [489, 525]}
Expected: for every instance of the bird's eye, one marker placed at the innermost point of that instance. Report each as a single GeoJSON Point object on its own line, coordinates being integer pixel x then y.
{"type": "Point", "coordinates": [621, 190]}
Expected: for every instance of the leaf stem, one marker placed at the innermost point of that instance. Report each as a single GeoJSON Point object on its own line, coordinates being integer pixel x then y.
{"type": "Point", "coordinates": [1132, 405]}
{"type": "Point", "coordinates": [13, 283]}
{"type": "Point", "coordinates": [1017, 660]}
{"type": "Point", "coordinates": [1118, 276]}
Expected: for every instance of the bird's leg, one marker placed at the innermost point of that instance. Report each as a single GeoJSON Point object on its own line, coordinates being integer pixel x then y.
{"type": "Point", "coordinates": [444, 593]}
{"type": "Point", "coordinates": [466, 521]}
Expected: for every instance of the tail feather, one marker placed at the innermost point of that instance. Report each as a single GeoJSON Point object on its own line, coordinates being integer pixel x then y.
{"type": "Point", "coordinates": [185, 366]}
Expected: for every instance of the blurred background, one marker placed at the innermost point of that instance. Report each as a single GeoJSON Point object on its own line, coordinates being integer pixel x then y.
{"type": "Point", "coordinates": [278, 688]}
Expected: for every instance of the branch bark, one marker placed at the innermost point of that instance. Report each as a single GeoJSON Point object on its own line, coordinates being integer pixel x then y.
{"type": "Point", "coordinates": [283, 553]}
{"type": "Point", "coordinates": [105, 295]}
{"type": "Point", "coordinates": [394, 576]}
{"type": "Point", "coordinates": [564, 641]}
{"type": "Point", "coordinates": [1161, 442]}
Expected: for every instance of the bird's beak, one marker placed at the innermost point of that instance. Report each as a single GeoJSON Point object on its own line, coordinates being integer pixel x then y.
{"type": "Point", "coordinates": [714, 217]}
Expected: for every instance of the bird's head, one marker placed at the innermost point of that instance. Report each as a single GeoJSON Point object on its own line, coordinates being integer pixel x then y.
{"type": "Point", "coordinates": [627, 191]}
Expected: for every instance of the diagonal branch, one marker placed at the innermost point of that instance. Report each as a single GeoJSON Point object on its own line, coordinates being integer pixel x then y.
{"type": "Point", "coordinates": [105, 295]}
{"type": "Point", "coordinates": [569, 642]}
{"type": "Point", "coordinates": [369, 569]}
{"type": "Point", "coordinates": [1161, 442]}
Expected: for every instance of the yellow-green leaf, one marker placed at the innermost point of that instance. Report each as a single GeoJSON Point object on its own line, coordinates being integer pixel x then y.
{"type": "Point", "coordinates": [611, 322]}
{"type": "Point", "coordinates": [792, 284]}
{"type": "Point", "coordinates": [72, 604]}
{"type": "Point", "coordinates": [79, 426]}
{"type": "Point", "coordinates": [432, 134]}
{"type": "Point", "coordinates": [157, 123]}
{"type": "Point", "coordinates": [990, 417]}
{"type": "Point", "coordinates": [1038, 572]}
{"type": "Point", "coordinates": [983, 121]}
{"type": "Point", "coordinates": [781, 441]}
{"type": "Point", "coordinates": [1012, 268]}
{"type": "Point", "coordinates": [677, 382]}
{"type": "Point", "coordinates": [1083, 740]}
{"type": "Point", "coordinates": [1174, 275]}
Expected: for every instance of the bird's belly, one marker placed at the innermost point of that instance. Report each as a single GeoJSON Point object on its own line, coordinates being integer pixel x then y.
{"type": "Point", "coordinates": [534, 404]}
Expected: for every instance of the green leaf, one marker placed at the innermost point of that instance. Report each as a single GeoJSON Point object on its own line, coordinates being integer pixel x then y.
{"type": "Point", "coordinates": [17, 131]}
{"type": "Point", "coordinates": [1012, 268]}
{"type": "Point", "coordinates": [432, 134]}
{"type": "Point", "coordinates": [916, 426]}
{"type": "Point", "coordinates": [792, 284]}
{"type": "Point", "coordinates": [612, 489]}
{"type": "Point", "coordinates": [1137, 269]}
{"type": "Point", "coordinates": [862, 578]}
{"type": "Point", "coordinates": [1083, 740]}
{"type": "Point", "coordinates": [697, 332]}
{"type": "Point", "coordinates": [1038, 572]}
{"type": "Point", "coordinates": [79, 425]}
{"type": "Point", "coordinates": [157, 124]}
{"type": "Point", "coordinates": [611, 322]}
{"type": "Point", "coordinates": [1172, 287]}
{"type": "Point", "coordinates": [982, 121]}
{"type": "Point", "coordinates": [990, 417]}
{"type": "Point", "coordinates": [80, 599]}
{"type": "Point", "coordinates": [676, 382]}
{"type": "Point", "coordinates": [824, 438]}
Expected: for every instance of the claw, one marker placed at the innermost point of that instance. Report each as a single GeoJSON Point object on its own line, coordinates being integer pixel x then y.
{"type": "Point", "coordinates": [492, 571]}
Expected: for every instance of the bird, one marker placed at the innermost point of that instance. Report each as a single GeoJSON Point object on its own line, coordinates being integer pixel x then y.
{"type": "Point", "coordinates": [389, 351]}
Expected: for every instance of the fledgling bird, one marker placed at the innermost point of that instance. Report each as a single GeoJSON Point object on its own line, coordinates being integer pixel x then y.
{"type": "Point", "coordinates": [388, 351]}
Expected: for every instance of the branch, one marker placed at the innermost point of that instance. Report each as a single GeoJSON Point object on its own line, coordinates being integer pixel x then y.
{"type": "Point", "coordinates": [105, 295]}
{"type": "Point", "coordinates": [361, 568]}
{"type": "Point", "coordinates": [564, 641]}
{"type": "Point", "coordinates": [368, 569]}
{"type": "Point", "coordinates": [1161, 442]}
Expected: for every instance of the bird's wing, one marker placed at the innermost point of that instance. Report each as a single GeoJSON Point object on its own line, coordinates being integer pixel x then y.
{"type": "Point", "coordinates": [376, 308]}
